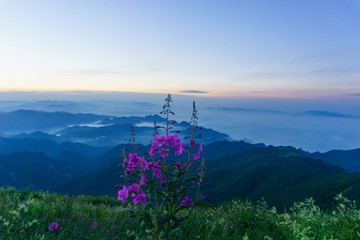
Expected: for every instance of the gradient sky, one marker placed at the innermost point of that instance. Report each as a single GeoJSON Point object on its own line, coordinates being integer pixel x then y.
{"type": "Point", "coordinates": [280, 48]}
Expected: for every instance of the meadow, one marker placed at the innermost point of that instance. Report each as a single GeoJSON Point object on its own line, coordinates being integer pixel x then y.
{"type": "Point", "coordinates": [31, 215]}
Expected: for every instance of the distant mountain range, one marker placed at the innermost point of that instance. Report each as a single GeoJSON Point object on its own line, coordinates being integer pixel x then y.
{"type": "Point", "coordinates": [46, 146]}
{"type": "Point", "coordinates": [349, 159]}
{"type": "Point", "coordinates": [28, 120]}
{"type": "Point", "coordinates": [36, 171]}
{"type": "Point", "coordinates": [90, 129]}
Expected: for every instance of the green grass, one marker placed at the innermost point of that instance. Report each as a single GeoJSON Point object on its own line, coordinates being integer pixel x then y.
{"type": "Point", "coordinates": [27, 215]}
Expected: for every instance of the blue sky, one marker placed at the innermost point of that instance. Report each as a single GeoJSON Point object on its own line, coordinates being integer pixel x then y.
{"type": "Point", "coordinates": [260, 49]}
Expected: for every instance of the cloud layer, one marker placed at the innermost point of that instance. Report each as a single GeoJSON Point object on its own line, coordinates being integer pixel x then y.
{"type": "Point", "coordinates": [192, 91]}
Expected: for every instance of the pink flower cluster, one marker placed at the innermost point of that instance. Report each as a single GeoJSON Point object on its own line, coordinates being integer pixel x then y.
{"type": "Point", "coordinates": [135, 163]}
{"type": "Point", "coordinates": [137, 194]}
{"type": "Point", "coordinates": [173, 141]}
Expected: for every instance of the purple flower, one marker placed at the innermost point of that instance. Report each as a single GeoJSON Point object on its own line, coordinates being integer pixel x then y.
{"type": "Point", "coordinates": [157, 172]}
{"type": "Point", "coordinates": [141, 197]}
{"type": "Point", "coordinates": [187, 202]}
{"type": "Point", "coordinates": [54, 226]}
{"type": "Point", "coordinates": [152, 151]}
{"type": "Point", "coordinates": [134, 187]}
{"type": "Point", "coordinates": [201, 147]}
{"type": "Point", "coordinates": [143, 179]}
{"type": "Point", "coordinates": [94, 225]}
{"type": "Point", "coordinates": [123, 194]}
{"type": "Point", "coordinates": [164, 152]}
{"type": "Point", "coordinates": [192, 143]}
{"type": "Point", "coordinates": [179, 149]}
{"type": "Point", "coordinates": [197, 156]}
{"type": "Point", "coordinates": [169, 140]}
{"type": "Point", "coordinates": [178, 165]}
{"type": "Point", "coordinates": [134, 161]}
{"type": "Point", "coordinates": [163, 182]}
{"type": "Point", "coordinates": [144, 165]}
{"type": "Point", "coordinates": [134, 158]}
{"type": "Point", "coordinates": [81, 214]}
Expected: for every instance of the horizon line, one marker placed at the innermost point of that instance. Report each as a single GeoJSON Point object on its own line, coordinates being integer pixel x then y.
{"type": "Point", "coordinates": [202, 94]}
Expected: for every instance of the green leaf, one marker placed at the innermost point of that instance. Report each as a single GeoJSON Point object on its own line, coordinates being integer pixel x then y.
{"type": "Point", "coordinates": [204, 205]}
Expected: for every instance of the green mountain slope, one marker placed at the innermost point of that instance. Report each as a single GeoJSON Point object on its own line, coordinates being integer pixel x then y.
{"type": "Point", "coordinates": [280, 175]}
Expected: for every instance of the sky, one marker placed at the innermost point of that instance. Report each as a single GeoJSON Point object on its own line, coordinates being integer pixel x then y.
{"type": "Point", "coordinates": [281, 72]}
{"type": "Point", "coordinates": [229, 49]}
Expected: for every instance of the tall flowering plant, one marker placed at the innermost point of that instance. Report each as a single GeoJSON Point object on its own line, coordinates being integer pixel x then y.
{"type": "Point", "coordinates": [158, 187]}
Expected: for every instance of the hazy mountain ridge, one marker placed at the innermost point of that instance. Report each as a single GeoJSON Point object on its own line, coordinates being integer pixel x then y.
{"type": "Point", "coordinates": [91, 129]}
{"type": "Point", "coordinates": [29, 120]}
{"type": "Point", "coordinates": [348, 159]}
{"type": "Point", "coordinates": [34, 171]}
{"type": "Point", "coordinates": [326, 114]}
{"type": "Point", "coordinates": [48, 147]}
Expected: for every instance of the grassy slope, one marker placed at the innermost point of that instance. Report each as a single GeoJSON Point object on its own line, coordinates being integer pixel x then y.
{"type": "Point", "coordinates": [27, 215]}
